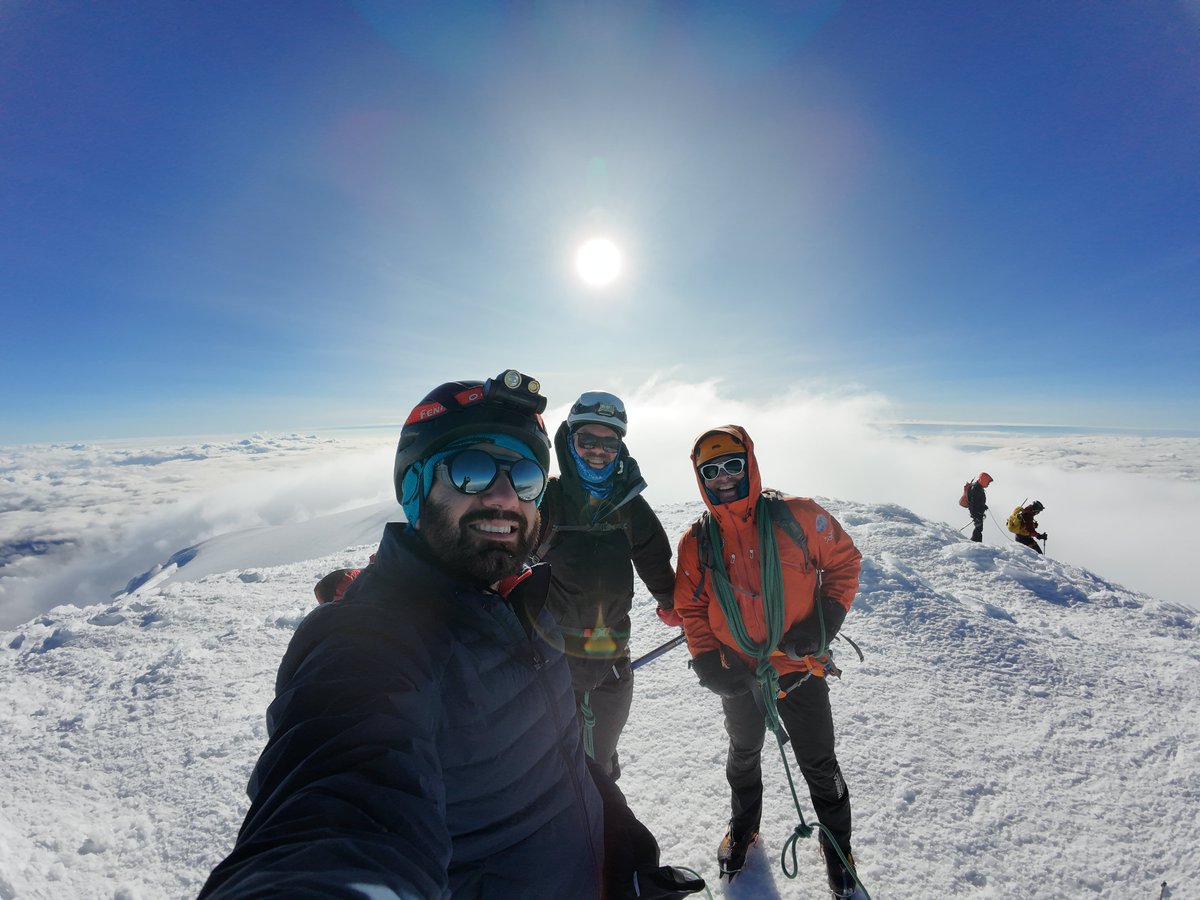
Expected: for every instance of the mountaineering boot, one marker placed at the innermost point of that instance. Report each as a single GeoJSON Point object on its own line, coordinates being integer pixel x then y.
{"type": "Point", "coordinates": [842, 883]}
{"type": "Point", "coordinates": [731, 855]}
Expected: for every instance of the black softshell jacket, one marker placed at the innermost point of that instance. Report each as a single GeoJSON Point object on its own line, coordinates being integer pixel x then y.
{"type": "Point", "coordinates": [593, 552]}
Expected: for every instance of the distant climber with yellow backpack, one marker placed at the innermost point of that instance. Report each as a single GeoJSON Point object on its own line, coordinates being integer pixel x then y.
{"type": "Point", "coordinates": [1023, 524]}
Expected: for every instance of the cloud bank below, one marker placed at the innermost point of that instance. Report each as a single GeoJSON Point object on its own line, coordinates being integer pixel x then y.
{"type": "Point", "coordinates": [79, 521]}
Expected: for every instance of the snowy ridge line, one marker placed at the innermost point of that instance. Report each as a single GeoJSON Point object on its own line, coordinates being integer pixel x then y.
{"type": "Point", "coordinates": [1016, 726]}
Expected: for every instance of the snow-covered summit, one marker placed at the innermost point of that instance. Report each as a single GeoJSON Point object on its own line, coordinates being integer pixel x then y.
{"type": "Point", "coordinates": [1018, 726]}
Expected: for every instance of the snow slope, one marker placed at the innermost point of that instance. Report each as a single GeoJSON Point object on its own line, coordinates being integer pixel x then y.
{"type": "Point", "coordinates": [1019, 726]}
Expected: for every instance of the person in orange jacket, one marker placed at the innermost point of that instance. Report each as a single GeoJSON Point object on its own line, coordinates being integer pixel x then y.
{"type": "Point", "coordinates": [824, 572]}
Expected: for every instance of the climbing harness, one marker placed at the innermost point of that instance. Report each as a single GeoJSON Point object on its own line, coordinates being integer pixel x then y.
{"type": "Point", "coordinates": [760, 651]}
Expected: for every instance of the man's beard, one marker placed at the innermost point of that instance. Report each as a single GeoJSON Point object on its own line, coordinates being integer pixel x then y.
{"type": "Point", "coordinates": [470, 553]}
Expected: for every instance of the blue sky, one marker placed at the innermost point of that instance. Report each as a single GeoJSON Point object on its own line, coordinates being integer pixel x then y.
{"type": "Point", "coordinates": [231, 216]}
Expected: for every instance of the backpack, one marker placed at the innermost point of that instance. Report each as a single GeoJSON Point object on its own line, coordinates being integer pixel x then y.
{"type": "Point", "coordinates": [332, 587]}
{"type": "Point", "coordinates": [780, 515]}
{"type": "Point", "coordinates": [1014, 521]}
{"type": "Point", "coordinates": [962, 501]}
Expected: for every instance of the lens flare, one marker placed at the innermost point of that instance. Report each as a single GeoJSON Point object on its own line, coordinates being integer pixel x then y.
{"type": "Point", "coordinates": [598, 262]}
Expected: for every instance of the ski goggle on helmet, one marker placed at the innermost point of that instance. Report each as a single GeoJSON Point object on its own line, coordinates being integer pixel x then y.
{"type": "Point", "coordinates": [474, 471]}
{"type": "Point", "coordinates": [598, 408]}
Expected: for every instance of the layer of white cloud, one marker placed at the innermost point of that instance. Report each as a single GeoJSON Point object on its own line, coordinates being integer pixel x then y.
{"type": "Point", "coordinates": [77, 522]}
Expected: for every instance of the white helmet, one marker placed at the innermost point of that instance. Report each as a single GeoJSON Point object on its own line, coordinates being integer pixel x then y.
{"type": "Point", "coordinates": [598, 408]}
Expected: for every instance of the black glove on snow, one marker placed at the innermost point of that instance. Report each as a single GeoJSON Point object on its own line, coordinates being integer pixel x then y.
{"type": "Point", "coordinates": [723, 681]}
{"type": "Point", "coordinates": [804, 638]}
{"type": "Point", "coordinates": [631, 856]}
{"type": "Point", "coordinates": [663, 883]}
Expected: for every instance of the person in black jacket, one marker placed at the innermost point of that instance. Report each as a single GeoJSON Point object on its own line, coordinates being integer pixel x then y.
{"type": "Point", "coordinates": [977, 504]}
{"type": "Point", "coordinates": [596, 529]}
{"type": "Point", "coordinates": [422, 742]}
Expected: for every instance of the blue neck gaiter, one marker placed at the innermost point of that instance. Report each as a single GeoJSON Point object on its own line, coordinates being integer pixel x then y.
{"type": "Point", "coordinates": [597, 482]}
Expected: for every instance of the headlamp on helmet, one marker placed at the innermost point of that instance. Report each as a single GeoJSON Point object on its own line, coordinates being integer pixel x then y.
{"type": "Point", "coordinates": [517, 389]}
{"type": "Point", "coordinates": [509, 404]}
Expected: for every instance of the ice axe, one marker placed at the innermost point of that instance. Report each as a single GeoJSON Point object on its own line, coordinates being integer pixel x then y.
{"type": "Point", "coordinates": [659, 651]}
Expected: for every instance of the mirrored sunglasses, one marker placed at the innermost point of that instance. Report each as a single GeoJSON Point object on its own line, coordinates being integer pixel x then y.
{"type": "Point", "coordinates": [475, 471]}
{"type": "Point", "coordinates": [734, 466]}
{"type": "Point", "coordinates": [591, 442]}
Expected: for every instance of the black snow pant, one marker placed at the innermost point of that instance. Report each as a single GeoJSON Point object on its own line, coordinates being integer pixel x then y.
{"type": "Point", "coordinates": [806, 716]}
{"type": "Point", "coordinates": [977, 534]}
{"type": "Point", "coordinates": [1028, 542]}
{"type": "Point", "coordinates": [609, 703]}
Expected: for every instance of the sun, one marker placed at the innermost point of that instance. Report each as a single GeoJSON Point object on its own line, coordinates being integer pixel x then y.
{"type": "Point", "coordinates": [598, 262]}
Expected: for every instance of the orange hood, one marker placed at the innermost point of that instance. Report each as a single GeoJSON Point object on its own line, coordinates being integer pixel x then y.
{"type": "Point", "coordinates": [737, 510]}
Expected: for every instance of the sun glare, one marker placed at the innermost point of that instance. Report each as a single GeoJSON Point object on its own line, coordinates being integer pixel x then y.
{"type": "Point", "coordinates": [598, 262]}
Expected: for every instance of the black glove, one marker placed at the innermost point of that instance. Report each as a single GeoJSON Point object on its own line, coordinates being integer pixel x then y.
{"type": "Point", "coordinates": [631, 857]}
{"type": "Point", "coordinates": [724, 679]}
{"type": "Point", "coordinates": [1043, 535]}
{"type": "Point", "coordinates": [663, 883]}
{"type": "Point", "coordinates": [804, 638]}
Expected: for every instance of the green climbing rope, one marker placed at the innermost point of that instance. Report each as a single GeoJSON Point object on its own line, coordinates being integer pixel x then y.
{"type": "Point", "coordinates": [772, 594]}
{"type": "Point", "coordinates": [771, 576]}
{"type": "Point", "coordinates": [589, 725]}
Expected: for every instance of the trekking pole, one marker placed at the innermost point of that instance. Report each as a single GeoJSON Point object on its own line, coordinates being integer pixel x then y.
{"type": "Point", "coordinates": [659, 651]}
{"type": "Point", "coordinates": [1044, 542]}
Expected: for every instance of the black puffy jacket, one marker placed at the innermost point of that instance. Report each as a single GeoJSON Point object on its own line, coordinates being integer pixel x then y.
{"type": "Point", "coordinates": [593, 552]}
{"type": "Point", "coordinates": [422, 743]}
